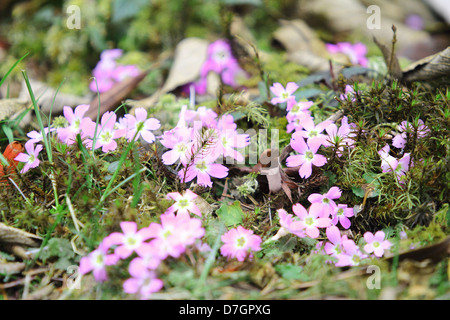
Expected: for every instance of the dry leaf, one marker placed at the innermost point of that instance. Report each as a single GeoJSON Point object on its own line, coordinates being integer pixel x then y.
{"type": "Point", "coordinates": [302, 45]}
{"type": "Point", "coordinates": [10, 235]}
{"type": "Point", "coordinates": [434, 68]}
{"type": "Point", "coordinates": [114, 96]}
{"type": "Point", "coordinates": [190, 54]}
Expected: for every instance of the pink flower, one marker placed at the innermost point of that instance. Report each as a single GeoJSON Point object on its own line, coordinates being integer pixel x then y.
{"type": "Point", "coordinates": [37, 136]}
{"type": "Point", "coordinates": [376, 243]}
{"type": "Point", "coordinates": [179, 140]}
{"type": "Point", "coordinates": [282, 94]}
{"type": "Point", "coordinates": [30, 158]}
{"type": "Point", "coordinates": [298, 109]}
{"type": "Point", "coordinates": [356, 52]}
{"type": "Point", "coordinates": [240, 243]}
{"type": "Point", "coordinates": [219, 58]}
{"type": "Point", "coordinates": [307, 156]}
{"type": "Point", "coordinates": [76, 119]}
{"type": "Point", "coordinates": [342, 214]}
{"type": "Point", "coordinates": [351, 255]}
{"type": "Point", "coordinates": [183, 203]}
{"type": "Point", "coordinates": [122, 72]}
{"type": "Point", "coordinates": [334, 246]}
{"type": "Point", "coordinates": [349, 93]}
{"type": "Point", "coordinates": [289, 224]}
{"type": "Point", "coordinates": [142, 282]}
{"type": "Point", "coordinates": [339, 138]}
{"type": "Point", "coordinates": [310, 131]}
{"type": "Point", "coordinates": [131, 240]}
{"type": "Point", "coordinates": [140, 126]}
{"type": "Point", "coordinates": [203, 169]}
{"type": "Point", "coordinates": [325, 201]}
{"type": "Point", "coordinates": [311, 220]}
{"type": "Point", "coordinates": [387, 161]}
{"type": "Point", "coordinates": [205, 115]}
{"type": "Point", "coordinates": [106, 132]}
{"type": "Point", "coordinates": [407, 129]}
{"type": "Point", "coordinates": [97, 261]}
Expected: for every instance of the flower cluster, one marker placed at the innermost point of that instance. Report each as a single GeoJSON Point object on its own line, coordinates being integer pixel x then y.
{"type": "Point", "coordinates": [391, 164]}
{"type": "Point", "coordinates": [107, 72]}
{"type": "Point", "coordinates": [219, 60]}
{"type": "Point", "coordinates": [199, 139]}
{"type": "Point", "coordinates": [325, 213]}
{"type": "Point", "coordinates": [406, 131]}
{"type": "Point", "coordinates": [308, 137]}
{"type": "Point", "coordinates": [148, 246]}
{"type": "Point", "coordinates": [355, 52]}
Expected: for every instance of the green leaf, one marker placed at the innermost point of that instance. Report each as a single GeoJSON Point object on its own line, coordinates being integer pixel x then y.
{"type": "Point", "coordinates": [230, 214]}
{"type": "Point", "coordinates": [125, 9]}
{"type": "Point", "coordinates": [291, 272]}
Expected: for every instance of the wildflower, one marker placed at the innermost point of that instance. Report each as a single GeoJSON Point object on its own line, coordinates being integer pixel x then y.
{"type": "Point", "coordinates": [307, 156]}
{"type": "Point", "coordinates": [387, 160]}
{"type": "Point", "coordinates": [376, 243]}
{"type": "Point", "coordinates": [351, 255]}
{"type": "Point", "coordinates": [37, 136]}
{"type": "Point", "coordinates": [240, 243]}
{"type": "Point", "coordinates": [282, 94]}
{"type": "Point", "coordinates": [355, 52]}
{"type": "Point", "coordinates": [349, 93]}
{"type": "Point", "coordinates": [183, 203]}
{"type": "Point", "coordinates": [297, 109]}
{"type": "Point", "coordinates": [168, 235]}
{"type": "Point", "coordinates": [289, 224]}
{"type": "Point", "coordinates": [123, 72]}
{"type": "Point", "coordinates": [150, 256]}
{"type": "Point", "coordinates": [139, 125]}
{"type": "Point", "coordinates": [219, 58]}
{"type": "Point", "coordinates": [205, 115]}
{"type": "Point", "coordinates": [406, 128]}
{"type": "Point", "coordinates": [334, 246]}
{"type": "Point", "coordinates": [179, 140]}
{"type": "Point", "coordinates": [325, 201]}
{"type": "Point", "coordinates": [30, 158]}
{"type": "Point", "coordinates": [97, 261]}
{"type": "Point", "coordinates": [131, 240]}
{"type": "Point", "coordinates": [310, 131]}
{"type": "Point", "coordinates": [106, 132]}
{"type": "Point", "coordinates": [227, 138]}
{"type": "Point", "coordinates": [142, 282]}
{"type": "Point", "coordinates": [342, 214]}
{"type": "Point", "coordinates": [76, 120]}
{"type": "Point", "coordinates": [311, 219]}
{"type": "Point", "coordinates": [339, 137]}
{"type": "Point", "coordinates": [203, 169]}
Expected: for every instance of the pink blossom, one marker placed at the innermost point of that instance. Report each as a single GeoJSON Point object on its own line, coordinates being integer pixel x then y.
{"type": "Point", "coordinates": [76, 119]}
{"type": "Point", "coordinates": [339, 138]}
{"type": "Point", "coordinates": [351, 255]}
{"type": "Point", "coordinates": [142, 282]}
{"type": "Point", "coordinates": [407, 128]}
{"type": "Point", "coordinates": [240, 243]}
{"type": "Point", "coordinates": [311, 220]}
{"type": "Point", "coordinates": [106, 132]}
{"type": "Point", "coordinates": [334, 246]}
{"type": "Point", "coordinates": [131, 240]}
{"type": "Point", "coordinates": [376, 243]}
{"type": "Point", "coordinates": [122, 72]}
{"type": "Point", "coordinates": [386, 160]}
{"type": "Point", "coordinates": [37, 136]}
{"type": "Point", "coordinates": [183, 203]}
{"type": "Point", "coordinates": [140, 126]}
{"type": "Point", "coordinates": [219, 58]}
{"type": "Point", "coordinates": [307, 156]}
{"type": "Point", "coordinates": [282, 94]}
{"type": "Point", "coordinates": [349, 93]}
{"type": "Point", "coordinates": [203, 169]}
{"type": "Point", "coordinates": [289, 224]}
{"type": "Point", "coordinates": [325, 201]}
{"type": "Point", "coordinates": [342, 214]}
{"type": "Point", "coordinates": [205, 115]}
{"type": "Point", "coordinates": [30, 158]}
{"type": "Point", "coordinates": [97, 261]}
{"type": "Point", "coordinates": [298, 109]}
{"type": "Point", "coordinates": [355, 52]}
{"type": "Point", "coordinates": [179, 140]}
{"type": "Point", "coordinates": [310, 131]}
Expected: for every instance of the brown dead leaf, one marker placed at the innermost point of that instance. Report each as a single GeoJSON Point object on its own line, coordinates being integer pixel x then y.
{"type": "Point", "coordinates": [189, 56]}
{"type": "Point", "coordinates": [435, 68]}
{"type": "Point", "coordinates": [114, 96]}
{"type": "Point", "coordinates": [10, 235]}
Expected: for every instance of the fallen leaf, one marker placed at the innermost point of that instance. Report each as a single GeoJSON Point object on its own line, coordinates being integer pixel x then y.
{"type": "Point", "coordinates": [114, 96]}
{"type": "Point", "coordinates": [434, 68]}
{"type": "Point", "coordinates": [11, 235]}
{"type": "Point", "coordinates": [435, 252]}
